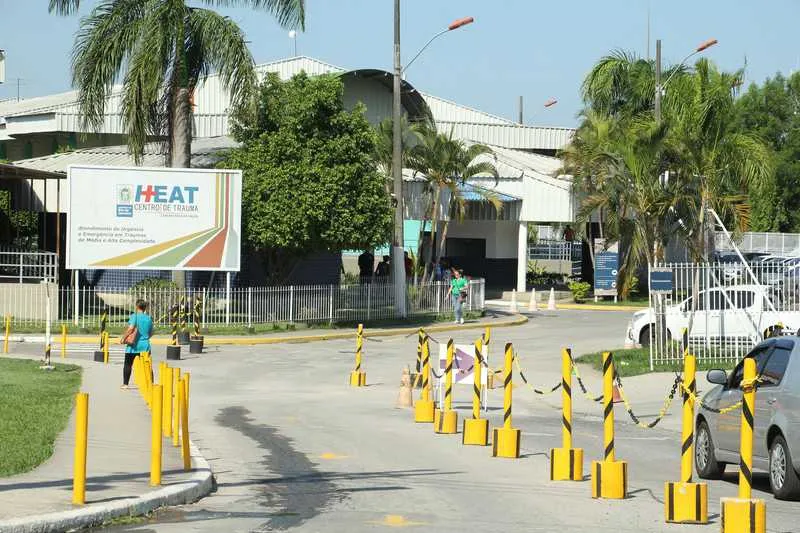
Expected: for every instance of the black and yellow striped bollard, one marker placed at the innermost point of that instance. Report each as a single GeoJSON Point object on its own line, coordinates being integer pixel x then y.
{"type": "Point", "coordinates": [418, 375]}
{"type": "Point", "coordinates": [505, 440]}
{"type": "Point", "coordinates": [174, 349]}
{"type": "Point", "coordinates": [745, 514]}
{"type": "Point", "coordinates": [445, 421]}
{"type": "Point", "coordinates": [609, 476]}
{"type": "Point", "coordinates": [566, 463]}
{"type": "Point", "coordinates": [358, 378]}
{"type": "Point", "coordinates": [423, 408]}
{"type": "Point", "coordinates": [686, 502]}
{"type": "Point", "coordinates": [475, 430]}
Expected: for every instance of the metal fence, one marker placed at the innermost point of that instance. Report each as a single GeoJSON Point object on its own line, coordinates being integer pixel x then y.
{"type": "Point", "coordinates": [23, 267]}
{"type": "Point", "coordinates": [737, 306]}
{"type": "Point", "coordinates": [555, 250]}
{"type": "Point", "coordinates": [774, 243]}
{"type": "Point", "coordinates": [251, 306]}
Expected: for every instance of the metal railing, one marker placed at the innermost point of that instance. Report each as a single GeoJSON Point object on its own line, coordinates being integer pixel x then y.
{"type": "Point", "coordinates": [736, 308]}
{"type": "Point", "coordinates": [773, 243]}
{"type": "Point", "coordinates": [249, 306]}
{"type": "Point", "coordinates": [555, 250]}
{"type": "Point", "coordinates": [24, 267]}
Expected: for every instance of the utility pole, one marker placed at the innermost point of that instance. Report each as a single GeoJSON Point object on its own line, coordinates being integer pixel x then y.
{"type": "Point", "coordinates": [521, 113]}
{"type": "Point", "coordinates": [658, 81]}
{"type": "Point", "coordinates": [398, 258]}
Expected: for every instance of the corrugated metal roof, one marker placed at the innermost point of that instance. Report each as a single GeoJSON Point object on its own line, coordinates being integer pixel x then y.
{"type": "Point", "coordinates": [205, 153]}
{"type": "Point", "coordinates": [447, 111]}
{"type": "Point", "coordinates": [509, 135]}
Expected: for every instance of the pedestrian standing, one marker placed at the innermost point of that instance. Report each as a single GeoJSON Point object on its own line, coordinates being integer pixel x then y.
{"type": "Point", "coordinates": [136, 339]}
{"type": "Point", "coordinates": [458, 291]}
{"type": "Point", "coordinates": [365, 263]}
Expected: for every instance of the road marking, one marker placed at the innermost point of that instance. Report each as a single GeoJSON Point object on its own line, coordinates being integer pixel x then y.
{"type": "Point", "coordinates": [645, 438]}
{"type": "Point", "coordinates": [396, 520]}
{"type": "Point", "coordinates": [331, 456]}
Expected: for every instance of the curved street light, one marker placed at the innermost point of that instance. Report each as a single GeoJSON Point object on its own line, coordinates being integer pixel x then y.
{"type": "Point", "coordinates": [705, 45]}
{"type": "Point", "coordinates": [456, 24]}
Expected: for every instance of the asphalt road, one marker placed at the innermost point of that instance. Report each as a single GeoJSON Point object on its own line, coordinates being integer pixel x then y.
{"type": "Point", "coordinates": [295, 449]}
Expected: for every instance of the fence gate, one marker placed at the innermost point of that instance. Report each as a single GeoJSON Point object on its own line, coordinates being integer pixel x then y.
{"type": "Point", "coordinates": [726, 308]}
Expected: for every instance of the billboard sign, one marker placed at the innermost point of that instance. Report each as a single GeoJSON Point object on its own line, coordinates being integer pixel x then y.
{"type": "Point", "coordinates": [605, 273]}
{"type": "Point", "coordinates": [154, 218]}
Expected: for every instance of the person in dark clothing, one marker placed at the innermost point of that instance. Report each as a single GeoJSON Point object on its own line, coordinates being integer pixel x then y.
{"type": "Point", "coordinates": [365, 263]}
{"type": "Point", "coordinates": [383, 269]}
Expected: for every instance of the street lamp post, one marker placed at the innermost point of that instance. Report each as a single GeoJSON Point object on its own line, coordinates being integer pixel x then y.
{"type": "Point", "coordinates": [660, 86]}
{"type": "Point", "coordinates": [398, 257]}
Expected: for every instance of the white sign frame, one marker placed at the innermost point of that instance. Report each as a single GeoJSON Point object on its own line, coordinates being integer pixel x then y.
{"type": "Point", "coordinates": [468, 351]}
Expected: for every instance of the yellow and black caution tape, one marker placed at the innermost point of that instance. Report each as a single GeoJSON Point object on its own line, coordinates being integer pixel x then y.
{"type": "Point", "coordinates": [525, 380]}
{"type": "Point", "coordinates": [586, 392]}
{"type": "Point", "coordinates": [664, 409]}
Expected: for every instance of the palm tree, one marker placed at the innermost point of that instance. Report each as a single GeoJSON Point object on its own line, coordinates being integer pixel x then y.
{"type": "Point", "coordinates": [446, 164]}
{"type": "Point", "coordinates": [162, 49]}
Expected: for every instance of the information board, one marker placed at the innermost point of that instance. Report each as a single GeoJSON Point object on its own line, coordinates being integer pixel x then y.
{"type": "Point", "coordinates": [606, 267]}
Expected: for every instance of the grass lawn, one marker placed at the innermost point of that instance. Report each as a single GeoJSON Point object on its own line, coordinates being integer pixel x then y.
{"type": "Point", "coordinates": [34, 408]}
{"type": "Point", "coordinates": [636, 301]}
{"type": "Point", "coordinates": [636, 361]}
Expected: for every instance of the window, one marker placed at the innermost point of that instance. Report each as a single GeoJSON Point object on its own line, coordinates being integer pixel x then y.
{"type": "Point", "coordinates": [773, 371]}
{"type": "Point", "coordinates": [716, 301]}
{"type": "Point", "coordinates": [742, 299]}
{"type": "Point", "coordinates": [760, 354]}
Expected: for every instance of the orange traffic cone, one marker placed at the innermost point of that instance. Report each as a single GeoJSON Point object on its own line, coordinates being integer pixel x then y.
{"type": "Point", "coordinates": [615, 396]}
{"type": "Point", "coordinates": [404, 397]}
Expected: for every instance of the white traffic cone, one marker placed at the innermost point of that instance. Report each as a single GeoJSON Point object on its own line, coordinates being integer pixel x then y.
{"type": "Point", "coordinates": [532, 305]}
{"type": "Point", "coordinates": [514, 308]}
{"type": "Point", "coordinates": [551, 303]}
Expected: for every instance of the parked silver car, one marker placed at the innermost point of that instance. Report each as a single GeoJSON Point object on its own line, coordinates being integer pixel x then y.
{"type": "Point", "coordinates": [776, 446]}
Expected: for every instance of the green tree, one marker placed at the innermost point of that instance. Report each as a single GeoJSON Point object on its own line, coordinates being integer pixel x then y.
{"type": "Point", "coordinates": [446, 164]}
{"type": "Point", "coordinates": [310, 178]}
{"type": "Point", "coordinates": [161, 49]}
{"type": "Point", "coordinates": [772, 112]}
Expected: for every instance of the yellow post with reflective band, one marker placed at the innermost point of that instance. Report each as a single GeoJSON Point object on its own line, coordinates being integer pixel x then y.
{"type": "Point", "coordinates": [566, 463]}
{"type": "Point", "coordinates": [505, 440]}
{"type": "Point", "coordinates": [745, 514]}
{"type": "Point", "coordinates": [176, 406]}
{"type": "Point", "coordinates": [358, 378]}
{"type": "Point", "coordinates": [609, 476]}
{"type": "Point", "coordinates": [423, 408]}
{"type": "Point", "coordinates": [7, 333]}
{"type": "Point", "coordinates": [686, 502]}
{"type": "Point", "coordinates": [445, 420]}
{"type": "Point", "coordinates": [81, 439]}
{"type": "Point", "coordinates": [63, 341]}
{"type": "Point", "coordinates": [475, 431]}
{"type": "Point", "coordinates": [418, 376]}
{"type": "Point", "coordinates": [166, 405]}
{"type": "Point", "coordinates": [184, 409]}
{"type": "Point", "coordinates": [155, 435]}
{"type": "Point", "coordinates": [105, 347]}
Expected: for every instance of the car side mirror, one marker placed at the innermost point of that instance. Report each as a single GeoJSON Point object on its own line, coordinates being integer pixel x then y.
{"type": "Point", "coordinates": [717, 377]}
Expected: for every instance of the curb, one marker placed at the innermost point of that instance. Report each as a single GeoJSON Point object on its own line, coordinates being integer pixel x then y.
{"type": "Point", "coordinates": [199, 485]}
{"type": "Point", "coordinates": [591, 307]}
{"type": "Point", "coordinates": [516, 320]}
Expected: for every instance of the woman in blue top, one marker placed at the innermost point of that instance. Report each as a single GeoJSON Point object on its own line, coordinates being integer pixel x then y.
{"type": "Point", "coordinates": [144, 327]}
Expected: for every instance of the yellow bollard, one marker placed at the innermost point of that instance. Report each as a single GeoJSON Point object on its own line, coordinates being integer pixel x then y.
{"type": "Point", "coordinates": [186, 454]}
{"type": "Point", "coordinates": [566, 463]}
{"type": "Point", "coordinates": [81, 439]}
{"type": "Point", "coordinates": [609, 476]}
{"type": "Point", "coordinates": [7, 333]}
{"type": "Point", "coordinates": [155, 436]}
{"type": "Point", "coordinates": [745, 514]}
{"type": "Point", "coordinates": [686, 502]}
{"type": "Point", "coordinates": [63, 341]}
{"type": "Point", "coordinates": [176, 409]}
{"type": "Point", "coordinates": [445, 421]}
{"type": "Point", "coordinates": [475, 431]}
{"type": "Point", "coordinates": [423, 408]}
{"type": "Point", "coordinates": [420, 340]}
{"type": "Point", "coordinates": [105, 347]}
{"type": "Point", "coordinates": [505, 440]}
{"type": "Point", "coordinates": [358, 378]}
{"type": "Point", "coordinates": [166, 404]}
{"type": "Point", "coordinates": [148, 378]}
{"type": "Point", "coordinates": [487, 336]}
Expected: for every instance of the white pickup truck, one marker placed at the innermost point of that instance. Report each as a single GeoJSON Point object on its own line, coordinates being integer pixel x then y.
{"type": "Point", "coordinates": [729, 313]}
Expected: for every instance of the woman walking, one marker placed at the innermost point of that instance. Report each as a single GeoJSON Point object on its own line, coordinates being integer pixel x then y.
{"type": "Point", "coordinates": [136, 339]}
{"type": "Point", "coordinates": [458, 291]}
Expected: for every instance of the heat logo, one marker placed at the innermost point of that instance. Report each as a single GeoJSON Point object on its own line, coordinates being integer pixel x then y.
{"type": "Point", "coordinates": [156, 198]}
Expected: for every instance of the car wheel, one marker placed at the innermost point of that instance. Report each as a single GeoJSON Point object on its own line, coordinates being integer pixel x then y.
{"type": "Point", "coordinates": [783, 479]}
{"type": "Point", "coordinates": [644, 336]}
{"type": "Point", "coordinates": [704, 460]}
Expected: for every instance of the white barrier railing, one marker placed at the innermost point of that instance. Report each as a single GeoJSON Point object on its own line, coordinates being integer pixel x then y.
{"type": "Point", "coordinates": [24, 267]}
{"type": "Point", "coordinates": [773, 243]}
{"type": "Point", "coordinates": [555, 250]}
{"type": "Point", "coordinates": [248, 306]}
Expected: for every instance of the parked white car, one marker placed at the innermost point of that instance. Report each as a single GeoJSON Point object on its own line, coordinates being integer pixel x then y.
{"type": "Point", "coordinates": [734, 312]}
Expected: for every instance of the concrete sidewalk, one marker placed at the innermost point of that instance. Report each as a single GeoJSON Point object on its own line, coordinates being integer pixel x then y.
{"type": "Point", "coordinates": [118, 463]}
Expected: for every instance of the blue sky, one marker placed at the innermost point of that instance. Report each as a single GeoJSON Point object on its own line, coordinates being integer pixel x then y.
{"type": "Point", "coordinates": [532, 48]}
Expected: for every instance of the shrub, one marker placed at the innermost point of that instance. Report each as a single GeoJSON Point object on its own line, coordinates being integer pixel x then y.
{"type": "Point", "coordinates": [580, 290]}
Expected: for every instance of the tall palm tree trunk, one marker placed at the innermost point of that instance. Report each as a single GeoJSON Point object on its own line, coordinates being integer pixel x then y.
{"type": "Point", "coordinates": [434, 219]}
{"type": "Point", "coordinates": [181, 135]}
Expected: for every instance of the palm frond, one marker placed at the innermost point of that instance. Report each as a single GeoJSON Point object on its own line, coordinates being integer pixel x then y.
{"type": "Point", "coordinates": [289, 13]}
{"type": "Point", "coordinates": [64, 7]}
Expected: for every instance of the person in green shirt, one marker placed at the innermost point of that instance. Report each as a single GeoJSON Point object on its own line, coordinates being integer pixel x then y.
{"type": "Point", "coordinates": [458, 291]}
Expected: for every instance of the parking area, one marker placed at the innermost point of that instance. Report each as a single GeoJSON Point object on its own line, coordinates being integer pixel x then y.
{"type": "Point", "coordinates": [293, 447]}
